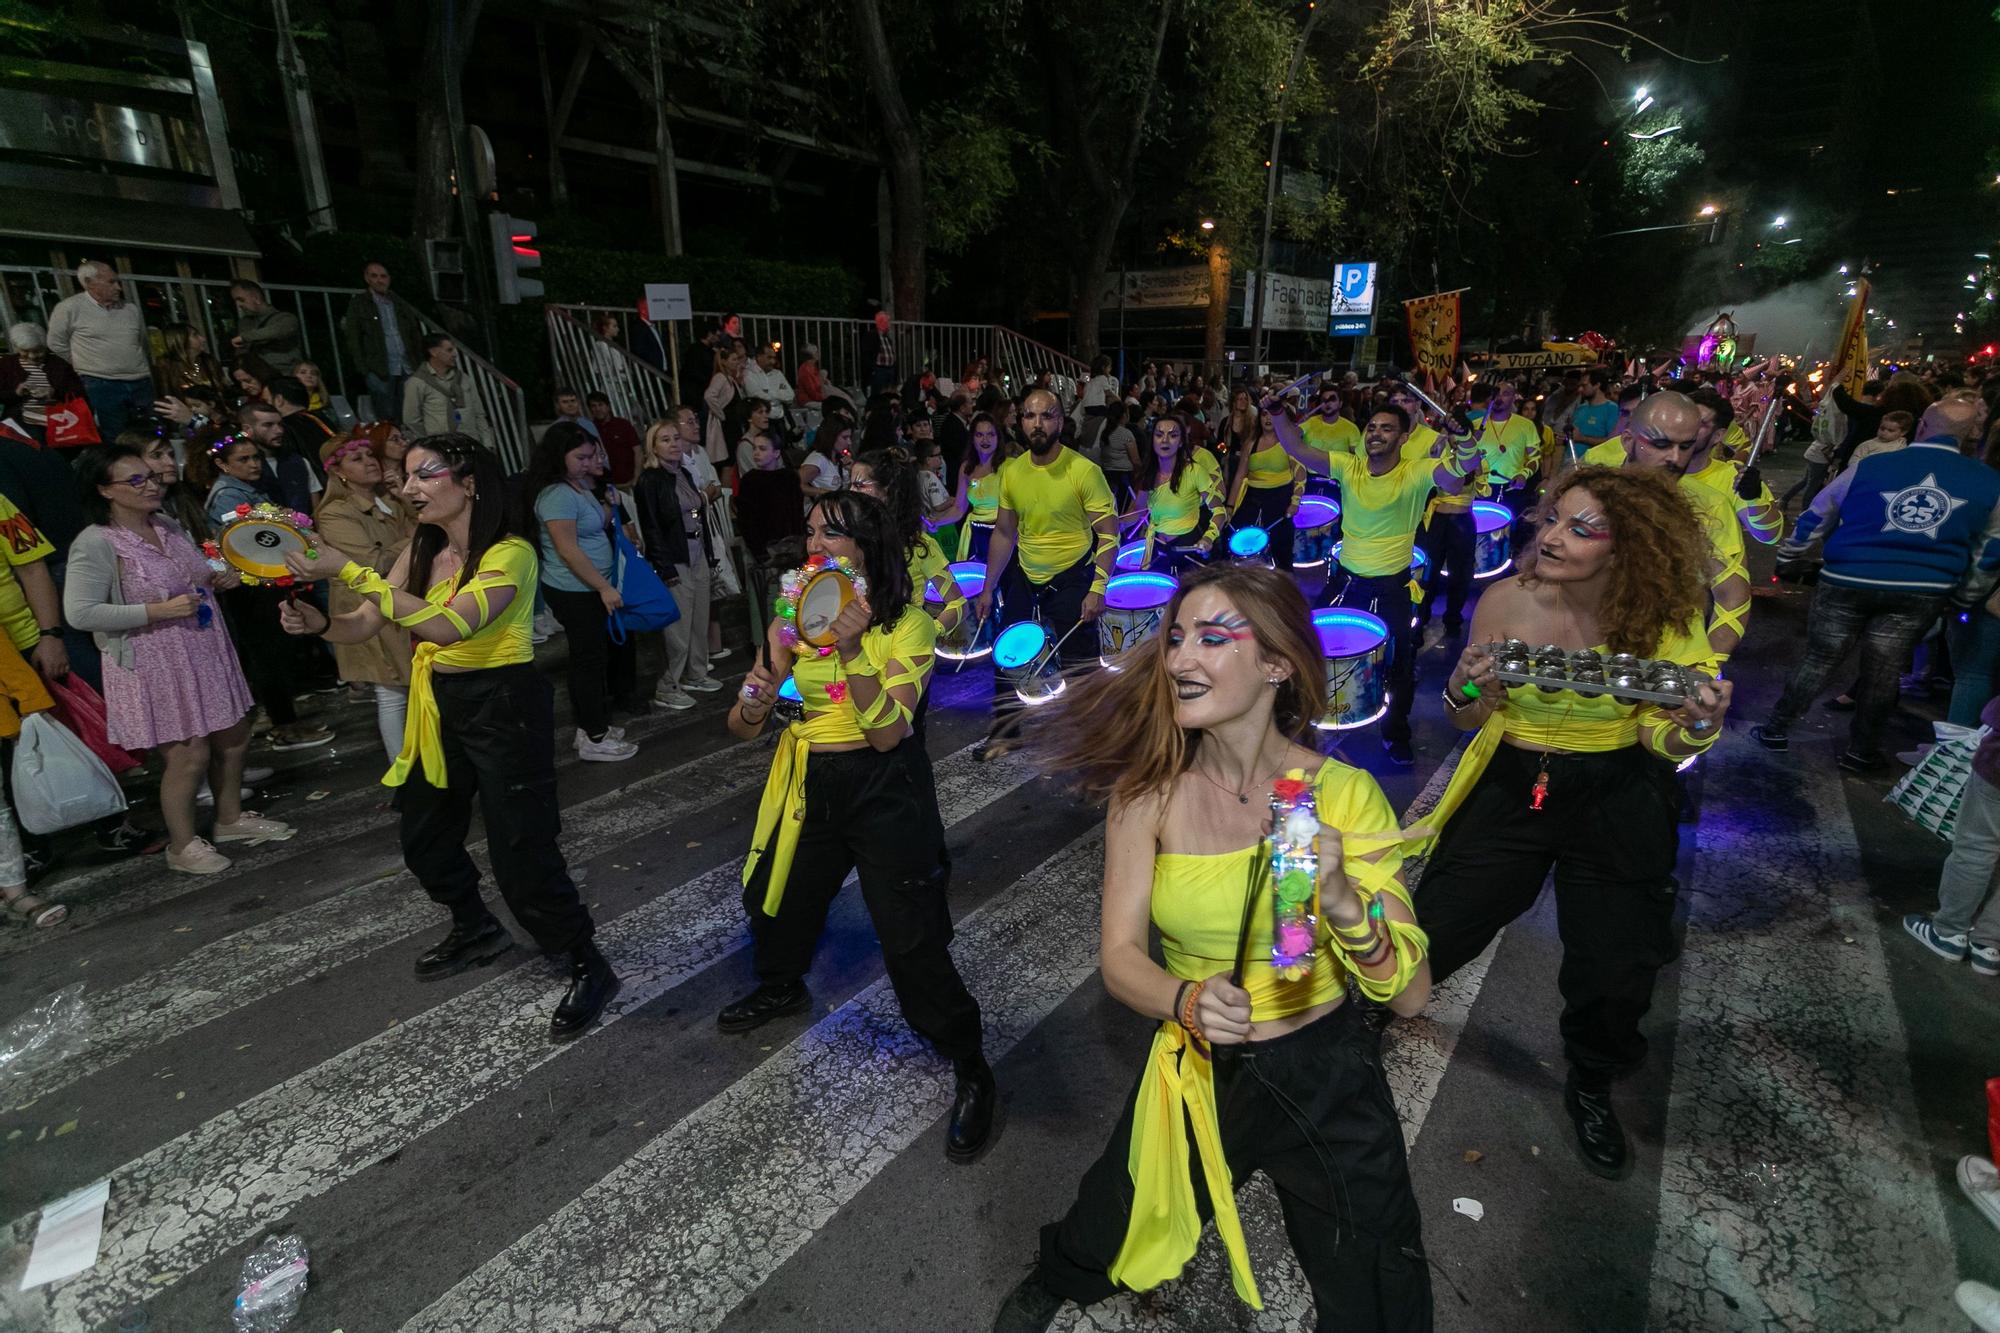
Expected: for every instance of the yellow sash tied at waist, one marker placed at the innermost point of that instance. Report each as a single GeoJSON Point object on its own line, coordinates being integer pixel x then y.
{"type": "Point", "coordinates": [781, 811]}
{"type": "Point", "coordinates": [423, 729]}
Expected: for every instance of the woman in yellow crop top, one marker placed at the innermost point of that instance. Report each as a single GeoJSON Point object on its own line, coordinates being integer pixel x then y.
{"type": "Point", "coordinates": [1173, 485]}
{"type": "Point", "coordinates": [978, 499]}
{"type": "Point", "coordinates": [481, 718]}
{"type": "Point", "coordinates": [1267, 488]}
{"type": "Point", "coordinates": [851, 788]}
{"type": "Point", "coordinates": [1282, 1076]}
{"type": "Point", "coordinates": [1575, 783]}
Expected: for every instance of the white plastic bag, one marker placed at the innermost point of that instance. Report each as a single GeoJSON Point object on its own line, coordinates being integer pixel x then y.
{"type": "Point", "coordinates": [1932, 792]}
{"type": "Point", "coordinates": [58, 782]}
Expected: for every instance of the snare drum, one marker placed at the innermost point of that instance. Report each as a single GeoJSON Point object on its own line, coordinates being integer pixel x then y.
{"type": "Point", "coordinates": [1312, 531]}
{"type": "Point", "coordinates": [1355, 646]}
{"type": "Point", "coordinates": [1492, 523]}
{"type": "Point", "coordinates": [1133, 607]}
{"type": "Point", "coordinates": [1027, 656]}
{"type": "Point", "coordinates": [1131, 557]}
{"type": "Point", "coordinates": [788, 708]}
{"type": "Point", "coordinates": [972, 638]}
{"type": "Point", "coordinates": [1252, 546]}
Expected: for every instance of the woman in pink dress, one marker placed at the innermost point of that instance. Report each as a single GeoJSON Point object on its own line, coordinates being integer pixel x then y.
{"type": "Point", "coordinates": [171, 681]}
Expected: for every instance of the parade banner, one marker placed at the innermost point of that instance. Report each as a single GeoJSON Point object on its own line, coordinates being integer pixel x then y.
{"type": "Point", "coordinates": [1433, 322]}
{"type": "Point", "coordinates": [1850, 357]}
{"type": "Point", "coordinates": [1556, 356]}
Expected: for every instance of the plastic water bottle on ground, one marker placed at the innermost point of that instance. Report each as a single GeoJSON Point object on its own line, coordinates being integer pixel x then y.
{"type": "Point", "coordinates": [274, 1282]}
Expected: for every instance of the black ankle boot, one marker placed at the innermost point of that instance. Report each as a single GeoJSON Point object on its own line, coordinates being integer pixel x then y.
{"type": "Point", "coordinates": [770, 1000]}
{"type": "Point", "coordinates": [971, 1110]}
{"type": "Point", "coordinates": [470, 944]}
{"type": "Point", "coordinates": [1028, 1308]}
{"type": "Point", "coordinates": [592, 983]}
{"type": "Point", "coordinates": [1599, 1137]}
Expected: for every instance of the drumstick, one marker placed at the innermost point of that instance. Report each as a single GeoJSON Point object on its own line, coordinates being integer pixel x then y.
{"type": "Point", "coordinates": [1260, 866]}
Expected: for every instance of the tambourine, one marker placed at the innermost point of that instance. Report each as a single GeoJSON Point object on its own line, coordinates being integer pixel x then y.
{"type": "Point", "coordinates": [256, 541]}
{"type": "Point", "coordinates": [812, 597]}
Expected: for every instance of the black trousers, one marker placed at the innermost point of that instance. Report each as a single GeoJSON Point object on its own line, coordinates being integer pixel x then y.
{"type": "Point", "coordinates": [1608, 829]}
{"type": "Point", "coordinates": [1386, 596]}
{"type": "Point", "coordinates": [875, 812]}
{"type": "Point", "coordinates": [265, 650]}
{"type": "Point", "coordinates": [1451, 544]}
{"type": "Point", "coordinates": [499, 745]}
{"type": "Point", "coordinates": [1269, 508]}
{"type": "Point", "coordinates": [1176, 555]}
{"type": "Point", "coordinates": [1312, 1111]}
{"type": "Point", "coordinates": [1058, 605]}
{"type": "Point", "coordinates": [601, 672]}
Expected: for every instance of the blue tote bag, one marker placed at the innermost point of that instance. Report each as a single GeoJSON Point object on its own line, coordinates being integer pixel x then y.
{"type": "Point", "coordinates": [649, 603]}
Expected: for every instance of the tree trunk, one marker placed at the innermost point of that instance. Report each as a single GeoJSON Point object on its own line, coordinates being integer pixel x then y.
{"type": "Point", "coordinates": [433, 208]}
{"type": "Point", "coordinates": [1087, 278]}
{"type": "Point", "coordinates": [909, 215]}
{"type": "Point", "coordinates": [1218, 311]}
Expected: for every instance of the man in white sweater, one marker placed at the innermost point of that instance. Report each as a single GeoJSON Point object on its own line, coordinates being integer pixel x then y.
{"type": "Point", "coordinates": [103, 336]}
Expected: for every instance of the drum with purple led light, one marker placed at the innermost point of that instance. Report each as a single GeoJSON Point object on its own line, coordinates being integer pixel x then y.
{"type": "Point", "coordinates": [972, 638]}
{"type": "Point", "coordinates": [1492, 523]}
{"type": "Point", "coordinates": [1133, 607]}
{"type": "Point", "coordinates": [1355, 646]}
{"type": "Point", "coordinates": [1313, 530]}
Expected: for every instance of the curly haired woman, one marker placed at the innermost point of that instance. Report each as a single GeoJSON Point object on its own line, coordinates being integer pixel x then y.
{"type": "Point", "coordinates": [1579, 783]}
{"type": "Point", "coordinates": [1251, 1069]}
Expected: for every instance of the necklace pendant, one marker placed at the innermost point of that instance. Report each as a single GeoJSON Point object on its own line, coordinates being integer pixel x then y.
{"type": "Point", "coordinates": [1540, 791]}
{"type": "Point", "coordinates": [1241, 799]}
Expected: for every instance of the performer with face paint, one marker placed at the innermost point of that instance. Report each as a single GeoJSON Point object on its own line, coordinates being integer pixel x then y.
{"type": "Point", "coordinates": [1258, 1064]}
{"type": "Point", "coordinates": [1578, 782]}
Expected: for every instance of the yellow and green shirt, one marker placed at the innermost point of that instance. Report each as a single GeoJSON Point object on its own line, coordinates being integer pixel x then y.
{"type": "Point", "coordinates": [1379, 515]}
{"type": "Point", "coordinates": [1338, 436]}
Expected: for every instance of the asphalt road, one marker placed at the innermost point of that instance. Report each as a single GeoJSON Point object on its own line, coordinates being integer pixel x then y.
{"type": "Point", "coordinates": [261, 1061]}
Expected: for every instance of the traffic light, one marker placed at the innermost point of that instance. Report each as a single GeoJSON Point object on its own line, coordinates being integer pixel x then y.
{"type": "Point", "coordinates": [514, 252]}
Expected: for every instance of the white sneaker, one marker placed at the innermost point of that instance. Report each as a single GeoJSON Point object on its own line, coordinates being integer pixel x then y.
{"type": "Point", "coordinates": [1981, 1184]}
{"type": "Point", "coordinates": [672, 699]}
{"type": "Point", "coordinates": [204, 796]}
{"type": "Point", "coordinates": [253, 776]}
{"type": "Point", "coordinates": [606, 751]}
{"type": "Point", "coordinates": [197, 858]}
{"type": "Point", "coordinates": [717, 654]}
{"type": "Point", "coordinates": [1985, 959]}
{"type": "Point", "coordinates": [547, 626]}
{"type": "Point", "coordinates": [253, 828]}
{"type": "Point", "coordinates": [1981, 1305]}
{"type": "Point", "coordinates": [703, 685]}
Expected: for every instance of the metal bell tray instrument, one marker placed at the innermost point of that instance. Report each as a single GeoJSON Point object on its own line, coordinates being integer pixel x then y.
{"type": "Point", "coordinates": [1625, 677]}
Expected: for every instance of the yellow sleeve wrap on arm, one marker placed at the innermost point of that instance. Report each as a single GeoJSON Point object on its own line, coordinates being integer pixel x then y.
{"type": "Point", "coordinates": [1372, 872]}
{"type": "Point", "coordinates": [365, 582]}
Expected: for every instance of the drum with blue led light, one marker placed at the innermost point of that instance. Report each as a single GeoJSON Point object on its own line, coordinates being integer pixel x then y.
{"type": "Point", "coordinates": [1133, 607]}
{"type": "Point", "coordinates": [972, 638]}
{"type": "Point", "coordinates": [1492, 550]}
{"type": "Point", "coordinates": [788, 708]}
{"type": "Point", "coordinates": [1313, 529]}
{"type": "Point", "coordinates": [1026, 655]}
{"type": "Point", "coordinates": [1355, 646]}
{"type": "Point", "coordinates": [1251, 546]}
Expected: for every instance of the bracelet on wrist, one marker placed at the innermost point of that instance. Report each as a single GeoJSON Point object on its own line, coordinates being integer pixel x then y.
{"type": "Point", "coordinates": [1180, 994]}
{"type": "Point", "coordinates": [1188, 1007]}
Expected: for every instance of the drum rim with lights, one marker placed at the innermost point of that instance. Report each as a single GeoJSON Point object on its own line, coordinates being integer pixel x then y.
{"type": "Point", "coordinates": [972, 638]}
{"type": "Point", "coordinates": [1370, 665]}
{"type": "Point", "coordinates": [1494, 538]}
{"type": "Point", "coordinates": [1251, 545]}
{"type": "Point", "coordinates": [1312, 542]}
{"type": "Point", "coordinates": [1025, 652]}
{"type": "Point", "coordinates": [1111, 620]}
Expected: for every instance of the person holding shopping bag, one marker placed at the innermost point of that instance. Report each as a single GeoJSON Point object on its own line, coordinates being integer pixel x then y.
{"type": "Point", "coordinates": [679, 535]}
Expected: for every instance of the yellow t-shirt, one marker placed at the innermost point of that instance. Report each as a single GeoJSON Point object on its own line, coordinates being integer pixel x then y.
{"type": "Point", "coordinates": [1338, 436]}
{"type": "Point", "coordinates": [1174, 510]}
{"type": "Point", "coordinates": [1611, 453]}
{"type": "Point", "coordinates": [1271, 468]}
{"type": "Point", "coordinates": [505, 639]}
{"type": "Point", "coordinates": [1056, 506]}
{"type": "Point", "coordinates": [908, 644]}
{"type": "Point", "coordinates": [982, 497]}
{"type": "Point", "coordinates": [1719, 475]}
{"type": "Point", "coordinates": [1510, 447]}
{"type": "Point", "coordinates": [1421, 441]}
{"type": "Point", "coordinates": [929, 567]}
{"type": "Point", "coordinates": [1379, 515]}
{"type": "Point", "coordinates": [21, 543]}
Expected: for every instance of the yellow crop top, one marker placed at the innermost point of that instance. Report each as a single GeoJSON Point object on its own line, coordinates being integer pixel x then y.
{"type": "Point", "coordinates": [898, 654]}
{"type": "Point", "coordinates": [1570, 722]}
{"type": "Point", "coordinates": [982, 497]}
{"type": "Point", "coordinates": [1273, 467]}
{"type": "Point", "coordinates": [1198, 907]}
{"type": "Point", "coordinates": [495, 640]}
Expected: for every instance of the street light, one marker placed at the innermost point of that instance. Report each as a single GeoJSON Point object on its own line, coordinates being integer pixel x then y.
{"type": "Point", "coordinates": [1779, 222]}
{"type": "Point", "coordinates": [1208, 224]}
{"type": "Point", "coordinates": [1641, 100]}
{"type": "Point", "coordinates": [1709, 210]}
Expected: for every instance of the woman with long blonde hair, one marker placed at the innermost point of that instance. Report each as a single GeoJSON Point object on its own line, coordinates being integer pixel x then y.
{"type": "Point", "coordinates": [185, 362]}
{"type": "Point", "coordinates": [1251, 1069]}
{"type": "Point", "coordinates": [1577, 783]}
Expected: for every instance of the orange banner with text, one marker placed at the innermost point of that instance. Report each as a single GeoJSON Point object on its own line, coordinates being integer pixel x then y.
{"type": "Point", "coordinates": [1433, 322]}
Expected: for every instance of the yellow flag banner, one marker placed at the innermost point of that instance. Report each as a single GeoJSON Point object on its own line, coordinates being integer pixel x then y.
{"type": "Point", "coordinates": [1433, 322]}
{"type": "Point", "coordinates": [1850, 358]}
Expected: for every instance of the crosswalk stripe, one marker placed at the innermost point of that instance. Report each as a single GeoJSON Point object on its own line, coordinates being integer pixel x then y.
{"type": "Point", "coordinates": [137, 883]}
{"type": "Point", "coordinates": [1793, 1191]}
{"type": "Point", "coordinates": [1415, 1053]}
{"type": "Point", "coordinates": [254, 963]}
{"type": "Point", "coordinates": [710, 1208]}
{"type": "Point", "coordinates": [212, 1189]}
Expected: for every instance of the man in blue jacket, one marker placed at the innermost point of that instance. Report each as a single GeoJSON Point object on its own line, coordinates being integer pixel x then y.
{"type": "Point", "coordinates": [1904, 533]}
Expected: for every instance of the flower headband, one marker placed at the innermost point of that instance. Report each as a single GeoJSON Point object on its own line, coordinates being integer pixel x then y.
{"type": "Point", "coordinates": [793, 586]}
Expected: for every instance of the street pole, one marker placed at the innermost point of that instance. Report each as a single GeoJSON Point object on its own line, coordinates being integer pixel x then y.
{"type": "Point", "coordinates": [1271, 188]}
{"type": "Point", "coordinates": [297, 84]}
{"type": "Point", "coordinates": [478, 263]}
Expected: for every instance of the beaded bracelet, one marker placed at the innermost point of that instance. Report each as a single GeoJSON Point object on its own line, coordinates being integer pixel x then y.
{"type": "Point", "coordinates": [1188, 1007]}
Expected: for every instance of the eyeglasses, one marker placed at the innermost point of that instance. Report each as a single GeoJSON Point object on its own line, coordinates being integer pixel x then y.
{"type": "Point", "coordinates": [139, 482]}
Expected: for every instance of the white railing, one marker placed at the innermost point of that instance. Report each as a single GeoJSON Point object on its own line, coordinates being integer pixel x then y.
{"type": "Point", "coordinates": [947, 350]}
{"type": "Point", "coordinates": [583, 361]}
{"type": "Point", "coordinates": [29, 293]}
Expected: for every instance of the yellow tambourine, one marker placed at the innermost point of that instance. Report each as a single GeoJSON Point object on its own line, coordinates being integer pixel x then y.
{"type": "Point", "coordinates": [256, 541]}
{"type": "Point", "coordinates": [812, 598]}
